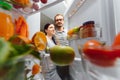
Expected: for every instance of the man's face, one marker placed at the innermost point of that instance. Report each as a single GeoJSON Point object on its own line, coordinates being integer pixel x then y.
{"type": "Point", "coordinates": [59, 21]}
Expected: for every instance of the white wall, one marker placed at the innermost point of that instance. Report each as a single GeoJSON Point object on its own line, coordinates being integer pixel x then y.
{"type": "Point", "coordinates": [34, 24]}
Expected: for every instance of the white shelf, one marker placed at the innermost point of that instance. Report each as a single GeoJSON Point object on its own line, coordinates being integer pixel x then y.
{"type": "Point", "coordinates": [42, 7]}
{"type": "Point", "coordinates": [73, 7]}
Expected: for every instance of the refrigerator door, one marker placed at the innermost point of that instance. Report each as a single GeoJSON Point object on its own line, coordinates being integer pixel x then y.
{"type": "Point", "coordinates": [100, 11]}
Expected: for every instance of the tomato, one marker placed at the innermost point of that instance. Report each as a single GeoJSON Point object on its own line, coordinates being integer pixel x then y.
{"type": "Point", "coordinates": [116, 51]}
{"type": "Point", "coordinates": [101, 55]}
{"type": "Point", "coordinates": [91, 43]}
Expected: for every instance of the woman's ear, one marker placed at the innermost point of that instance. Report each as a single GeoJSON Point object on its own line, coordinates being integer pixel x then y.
{"type": "Point", "coordinates": [46, 31]}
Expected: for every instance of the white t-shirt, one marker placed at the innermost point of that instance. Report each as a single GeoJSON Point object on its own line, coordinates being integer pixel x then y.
{"type": "Point", "coordinates": [50, 42]}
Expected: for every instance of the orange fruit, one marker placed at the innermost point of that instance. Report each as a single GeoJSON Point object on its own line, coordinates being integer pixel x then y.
{"type": "Point", "coordinates": [62, 55]}
{"type": "Point", "coordinates": [6, 26]}
{"type": "Point", "coordinates": [39, 40]}
{"type": "Point", "coordinates": [70, 32]}
{"type": "Point", "coordinates": [22, 2]}
{"type": "Point", "coordinates": [36, 69]}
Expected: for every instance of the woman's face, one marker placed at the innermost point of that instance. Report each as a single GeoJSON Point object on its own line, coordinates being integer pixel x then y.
{"type": "Point", "coordinates": [50, 30]}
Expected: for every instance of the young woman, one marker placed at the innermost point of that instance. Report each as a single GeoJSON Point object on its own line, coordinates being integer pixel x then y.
{"type": "Point", "coordinates": [50, 68]}
{"type": "Point", "coordinates": [49, 30]}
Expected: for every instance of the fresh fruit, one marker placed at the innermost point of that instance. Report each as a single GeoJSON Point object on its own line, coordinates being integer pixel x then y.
{"type": "Point", "coordinates": [36, 69]}
{"type": "Point", "coordinates": [5, 48]}
{"type": "Point", "coordinates": [62, 55]}
{"type": "Point", "coordinates": [19, 40]}
{"type": "Point", "coordinates": [39, 40]}
{"type": "Point", "coordinates": [76, 29]}
{"type": "Point", "coordinates": [22, 2]}
{"type": "Point", "coordinates": [70, 32]}
{"type": "Point", "coordinates": [44, 1]}
{"type": "Point", "coordinates": [6, 26]}
{"type": "Point", "coordinates": [35, 6]}
{"type": "Point", "coordinates": [17, 6]}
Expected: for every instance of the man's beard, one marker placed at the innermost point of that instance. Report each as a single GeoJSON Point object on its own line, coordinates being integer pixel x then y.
{"type": "Point", "coordinates": [59, 25]}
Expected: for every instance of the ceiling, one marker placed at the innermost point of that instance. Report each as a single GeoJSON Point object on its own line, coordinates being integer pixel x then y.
{"type": "Point", "coordinates": [59, 7]}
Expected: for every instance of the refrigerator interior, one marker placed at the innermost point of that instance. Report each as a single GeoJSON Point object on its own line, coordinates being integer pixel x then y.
{"type": "Point", "coordinates": [100, 11]}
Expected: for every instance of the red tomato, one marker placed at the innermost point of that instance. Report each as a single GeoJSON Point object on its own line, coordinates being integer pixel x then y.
{"type": "Point", "coordinates": [100, 55]}
{"type": "Point", "coordinates": [91, 43]}
{"type": "Point", "coordinates": [116, 51]}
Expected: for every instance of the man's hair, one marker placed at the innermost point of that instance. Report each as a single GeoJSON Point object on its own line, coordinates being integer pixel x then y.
{"type": "Point", "coordinates": [58, 15]}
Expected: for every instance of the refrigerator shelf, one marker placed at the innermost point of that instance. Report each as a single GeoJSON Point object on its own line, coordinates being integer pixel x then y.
{"type": "Point", "coordinates": [29, 10]}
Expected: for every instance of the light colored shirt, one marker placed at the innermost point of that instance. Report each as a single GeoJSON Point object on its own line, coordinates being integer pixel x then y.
{"type": "Point", "coordinates": [61, 38]}
{"type": "Point", "coordinates": [50, 42]}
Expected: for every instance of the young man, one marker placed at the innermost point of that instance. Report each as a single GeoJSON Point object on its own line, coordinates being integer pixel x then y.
{"type": "Point", "coordinates": [61, 39]}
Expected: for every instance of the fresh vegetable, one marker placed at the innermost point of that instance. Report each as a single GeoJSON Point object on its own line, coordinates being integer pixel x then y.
{"type": "Point", "coordinates": [5, 5]}
{"type": "Point", "coordinates": [100, 54]}
{"type": "Point", "coordinates": [92, 43]}
{"type": "Point", "coordinates": [11, 53]}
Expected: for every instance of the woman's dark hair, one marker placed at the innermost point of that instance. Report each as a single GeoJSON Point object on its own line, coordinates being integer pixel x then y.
{"type": "Point", "coordinates": [54, 40]}
{"type": "Point", "coordinates": [46, 27]}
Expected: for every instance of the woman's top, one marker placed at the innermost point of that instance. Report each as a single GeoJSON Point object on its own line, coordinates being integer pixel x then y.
{"type": "Point", "coordinates": [50, 42]}
{"type": "Point", "coordinates": [48, 65]}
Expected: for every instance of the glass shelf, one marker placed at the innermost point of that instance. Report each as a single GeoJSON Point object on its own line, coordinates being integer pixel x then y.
{"type": "Point", "coordinates": [30, 10]}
